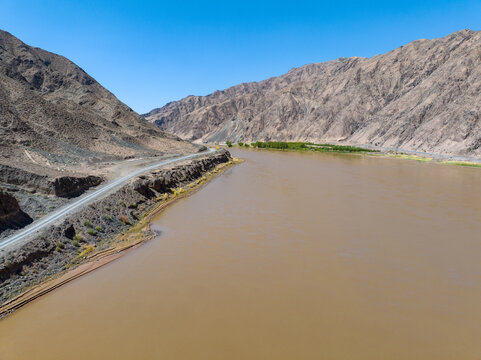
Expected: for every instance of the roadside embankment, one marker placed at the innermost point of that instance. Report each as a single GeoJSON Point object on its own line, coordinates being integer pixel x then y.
{"type": "Point", "coordinates": [111, 225]}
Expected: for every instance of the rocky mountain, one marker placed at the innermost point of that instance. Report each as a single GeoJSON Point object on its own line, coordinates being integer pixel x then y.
{"type": "Point", "coordinates": [54, 115]}
{"type": "Point", "coordinates": [423, 96]}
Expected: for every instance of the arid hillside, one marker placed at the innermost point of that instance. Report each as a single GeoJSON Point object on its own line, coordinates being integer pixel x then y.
{"type": "Point", "coordinates": [423, 96]}
{"type": "Point", "coordinates": [53, 115]}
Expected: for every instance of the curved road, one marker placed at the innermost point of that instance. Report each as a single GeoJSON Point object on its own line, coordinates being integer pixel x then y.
{"type": "Point", "coordinates": [84, 200]}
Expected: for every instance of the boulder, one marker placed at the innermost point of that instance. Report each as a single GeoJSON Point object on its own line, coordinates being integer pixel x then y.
{"type": "Point", "coordinates": [11, 216]}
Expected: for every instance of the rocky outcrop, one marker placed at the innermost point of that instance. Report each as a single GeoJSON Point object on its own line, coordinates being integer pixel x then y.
{"type": "Point", "coordinates": [28, 180]}
{"type": "Point", "coordinates": [424, 96]}
{"type": "Point", "coordinates": [63, 186]}
{"type": "Point", "coordinates": [11, 216]}
{"type": "Point", "coordinates": [96, 225]}
{"type": "Point", "coordinates": [68, 186]}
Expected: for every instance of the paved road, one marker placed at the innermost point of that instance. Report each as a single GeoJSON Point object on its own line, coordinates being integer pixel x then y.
{"type": "Point", "coordinates": [85, 200]}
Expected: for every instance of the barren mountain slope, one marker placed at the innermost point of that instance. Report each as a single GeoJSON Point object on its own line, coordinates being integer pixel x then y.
{"type": "Point", "coordinates": [53, 114]}
{"type": "Point", "coordinates": [423, 96]}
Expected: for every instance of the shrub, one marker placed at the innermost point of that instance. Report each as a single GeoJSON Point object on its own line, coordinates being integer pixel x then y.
{"type": "Point", "coordinates": [60, 246]}
{"type": "Point", "coordinates": [78, 237]}
{"type": "Point", "coordinates": [86, 250]}
{"type": "Point", "coordinates": [99, 228]}
{"type": "Point", "coordinates": [176, 191]}
{"type": "Point", "coordinates": [107, 208]}
{"type": "Point", "coordinates": [240, 143]}
{"type": "Point", "coordinates": [75, 243]}
{"type": "Point", "coordinates": [228, 143]}
{"type": "Point", "coordinates": [92, 232]}
{"type": "Point", "coordinates": [123, 204]}
{"type": "Point", "coordinates": [88, 224]}
{"type": "Point", "coordinates": [91, 206]}
{"type": "Point", "coordinates": [107, 217]}
{"type": "Point", "coordinates": [133, 206]}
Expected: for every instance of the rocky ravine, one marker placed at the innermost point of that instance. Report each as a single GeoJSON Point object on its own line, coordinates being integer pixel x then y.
{"type": "Point", "coordinates": [424, 96]}
{"type": "Point", "coordinates": [95, 227]}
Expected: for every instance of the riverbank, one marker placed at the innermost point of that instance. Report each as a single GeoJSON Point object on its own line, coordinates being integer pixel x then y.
{"type": "Point", "coordinates": [101, 232]}
{"type": "Point", "coordinates": [430, 159]}
{"type": "Point", "coordinates": [371, 150]}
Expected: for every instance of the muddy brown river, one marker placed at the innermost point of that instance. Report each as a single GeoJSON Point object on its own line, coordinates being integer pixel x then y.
{"type": "Point", "coordinates": [285, 256]}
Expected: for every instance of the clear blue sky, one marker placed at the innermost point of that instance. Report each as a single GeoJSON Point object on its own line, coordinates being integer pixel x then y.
{"type": "Point", "coordinates": [152, 52]}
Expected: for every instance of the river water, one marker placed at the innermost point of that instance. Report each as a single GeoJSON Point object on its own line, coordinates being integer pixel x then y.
{"type": "Point", "coordinates": [285, 256]}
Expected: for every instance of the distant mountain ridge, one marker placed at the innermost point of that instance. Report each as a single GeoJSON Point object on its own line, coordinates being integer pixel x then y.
{"type": "Point", "coordinates": [423, 96]}
{"type": "Point", "coordinates": [52, 113]}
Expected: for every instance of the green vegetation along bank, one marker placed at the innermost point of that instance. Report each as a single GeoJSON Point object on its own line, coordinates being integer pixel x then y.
{"type": "Point", "coordinates": [306, 146]}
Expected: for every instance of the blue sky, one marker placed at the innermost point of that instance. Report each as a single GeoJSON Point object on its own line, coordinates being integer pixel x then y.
{"type": "Point", "coordinates": [151, 52]}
